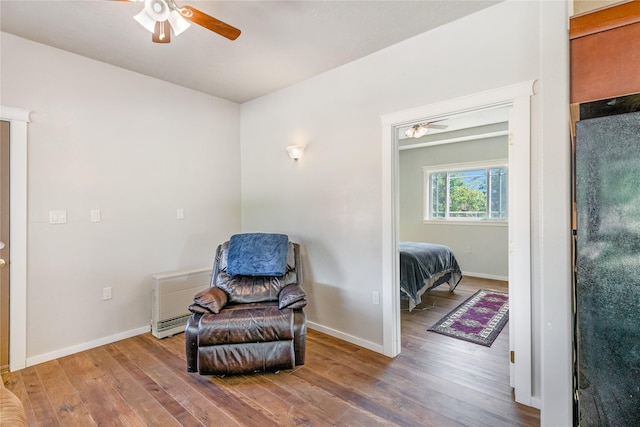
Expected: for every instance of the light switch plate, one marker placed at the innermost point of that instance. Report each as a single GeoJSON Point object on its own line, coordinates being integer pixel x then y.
{"type": "Point", "coordinates": [95, 215]}
{"type": "Point", "coordinates": [376, 297]}
{"type": "Point", "coordinates": [57, 217]}
{"type": "Point", "coordinates": [180, 213]}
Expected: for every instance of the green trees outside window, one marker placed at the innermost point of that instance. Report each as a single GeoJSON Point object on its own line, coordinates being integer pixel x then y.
{"type": "Point", "coordinates": [470, 194]}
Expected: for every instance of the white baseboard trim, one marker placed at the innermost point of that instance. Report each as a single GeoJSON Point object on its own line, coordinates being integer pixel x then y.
{"type": "Point", "coordinates": [86, 346]}
{"type": "Point", "coordinates": [378, 348]}
{"type": "Point", "coordinates": [536, 402]}
{"type": "Point", "coordinates": [485, 276]}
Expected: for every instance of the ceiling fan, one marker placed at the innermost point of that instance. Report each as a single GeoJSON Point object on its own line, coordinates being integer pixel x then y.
{"type": "Point", "coordinates": [421, 129]}
{"type": "Point", "coordinates": [161, 17]}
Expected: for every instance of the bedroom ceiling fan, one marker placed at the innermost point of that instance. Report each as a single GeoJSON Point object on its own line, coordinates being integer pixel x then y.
{"type": "Point", "coordinates": [421, 129]}
{"type": "Point", "coordinates": [161, 17]}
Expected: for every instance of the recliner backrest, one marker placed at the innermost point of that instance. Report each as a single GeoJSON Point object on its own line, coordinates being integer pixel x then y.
{"type": "Point", "coordinates": [249, 289]}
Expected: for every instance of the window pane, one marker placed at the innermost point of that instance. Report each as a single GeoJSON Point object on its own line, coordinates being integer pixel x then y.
{"type": "Point", "coordinates": [477, 194]}
{"type": "Point", "coordinates": [498, 198]}
{"type": "Point", "coordinates": [438, 195]}
{"type": "Point", "coordinates": [468, 194]}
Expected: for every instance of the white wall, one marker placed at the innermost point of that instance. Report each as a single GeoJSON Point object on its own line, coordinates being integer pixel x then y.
{"type": "Point", "coordinates": [137, 149]}
{"type": "Point", "coordinates": [487, 243]}
{"type": "Point", "coordinates": [330, 200]}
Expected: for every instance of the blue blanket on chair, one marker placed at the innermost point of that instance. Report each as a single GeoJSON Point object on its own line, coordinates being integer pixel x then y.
{"type": "Point", "coordinates": [257, 254]}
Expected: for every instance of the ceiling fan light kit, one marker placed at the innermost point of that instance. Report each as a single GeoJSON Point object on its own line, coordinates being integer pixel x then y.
{"type": "Point", "coordinates": [158, 10]}
{"type": "Point", "coordinates": [146, 21]}
{"type": "Point", "coordinates": [161, 17]}
{"type": "Point", "coordinates": [178, 23]}
{"type": "Point", "coordinates": [421, 129]}
{"type": "Point", "coordinates": [417, 131]}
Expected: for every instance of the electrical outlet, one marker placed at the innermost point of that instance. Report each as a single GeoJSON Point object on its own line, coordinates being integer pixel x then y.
{"type": "Point", "coordinates": [106, 293]}
{"type": "Point", "coordinates": [376, 297]}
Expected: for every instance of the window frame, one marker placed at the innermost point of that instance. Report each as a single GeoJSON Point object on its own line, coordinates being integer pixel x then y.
{"type": "Point", "coordinates": [427, 217]}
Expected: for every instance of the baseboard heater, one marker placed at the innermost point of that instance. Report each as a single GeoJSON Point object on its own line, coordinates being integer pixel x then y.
{"type": "Point", "coordinates": [171, 294]}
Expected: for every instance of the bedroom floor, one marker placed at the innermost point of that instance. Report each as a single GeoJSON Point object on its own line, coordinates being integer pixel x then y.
{"type": "Point", "coordinates": [474, 377]}
{"type": "Point", "coordinates": [142, 381]}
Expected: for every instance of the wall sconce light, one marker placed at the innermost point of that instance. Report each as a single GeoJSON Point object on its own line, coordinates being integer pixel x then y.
{"type": "Point", "coordinates": [295, 151]}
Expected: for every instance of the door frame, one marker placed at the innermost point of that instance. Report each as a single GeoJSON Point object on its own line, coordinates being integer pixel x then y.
{"type": "Point", "coordinates": [18, 119]}
{"type": "Point", "coordinates": [518, 97]}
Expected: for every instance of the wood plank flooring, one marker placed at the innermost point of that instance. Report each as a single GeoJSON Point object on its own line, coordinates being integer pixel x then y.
{"type": "Point", "coordinates": [142, 381]}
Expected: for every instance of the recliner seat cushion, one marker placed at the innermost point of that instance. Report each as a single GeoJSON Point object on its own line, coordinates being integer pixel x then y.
{"type": "Point", "coordinates": [246, 325]}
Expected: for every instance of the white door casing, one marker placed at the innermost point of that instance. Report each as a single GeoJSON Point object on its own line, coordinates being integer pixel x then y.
{"type": "Point", "coordinates": [18, 119]}
{"type": "Point", "coordinates": [517, 97]}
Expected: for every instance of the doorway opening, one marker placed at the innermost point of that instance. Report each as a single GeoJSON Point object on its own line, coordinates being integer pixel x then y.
{"type": "Point", "coordinates": [516, 98]}
{"type": "Point", "coordinates": [453, 190]}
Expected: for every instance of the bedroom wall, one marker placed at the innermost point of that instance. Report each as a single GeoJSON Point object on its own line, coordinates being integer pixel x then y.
{"type": "Point", "coordinates": [330, 200]}
{"type": "Point", "coordinates": [488, 243]}
{"type": "Point", "coordinates": [137, 149]}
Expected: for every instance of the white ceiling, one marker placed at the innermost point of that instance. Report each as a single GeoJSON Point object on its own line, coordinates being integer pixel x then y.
{"type": "Point", "coordinates": [282, 42]}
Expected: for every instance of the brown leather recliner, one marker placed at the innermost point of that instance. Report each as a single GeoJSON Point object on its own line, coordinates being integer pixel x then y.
{"type": "Point", "coordinates": [245, 323]}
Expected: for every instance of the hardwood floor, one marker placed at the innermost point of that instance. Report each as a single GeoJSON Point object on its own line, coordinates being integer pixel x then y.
{"type": "Point", "coordinates": [142, 381]}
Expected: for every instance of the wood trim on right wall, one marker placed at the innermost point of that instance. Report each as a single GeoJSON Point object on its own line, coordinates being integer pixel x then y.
{"type": "Point", "coordinates": [605, 53]}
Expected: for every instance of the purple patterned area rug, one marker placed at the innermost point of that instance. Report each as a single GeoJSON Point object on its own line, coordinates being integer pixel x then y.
{"type": "Point", "coordinates": [478, 320]}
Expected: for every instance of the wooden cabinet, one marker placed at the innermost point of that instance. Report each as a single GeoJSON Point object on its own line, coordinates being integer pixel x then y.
{"type": "Point", "coordinates": [605, 53]}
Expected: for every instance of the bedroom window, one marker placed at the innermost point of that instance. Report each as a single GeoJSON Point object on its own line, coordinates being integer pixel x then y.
{"type": "Point", "coordinates": [466, 192]}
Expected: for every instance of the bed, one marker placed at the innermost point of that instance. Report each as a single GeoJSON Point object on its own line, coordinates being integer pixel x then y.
{"type": "Point", "coordinates": [424, 266]}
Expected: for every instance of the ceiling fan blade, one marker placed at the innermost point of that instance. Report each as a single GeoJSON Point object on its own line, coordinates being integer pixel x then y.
{"type": "Point", "coordinates": [162, 32]}
{"type": "Point", "coordinates": [209, 22]}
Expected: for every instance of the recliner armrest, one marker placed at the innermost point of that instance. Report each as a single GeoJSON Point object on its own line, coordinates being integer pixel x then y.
{"type": "Point", "coordinates": [292, 296]}
{"type": "Point", "coordinates": [212, 299]}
